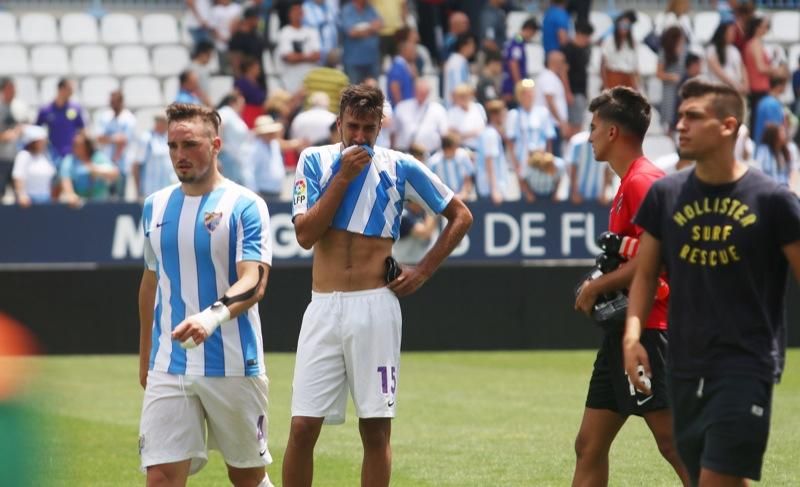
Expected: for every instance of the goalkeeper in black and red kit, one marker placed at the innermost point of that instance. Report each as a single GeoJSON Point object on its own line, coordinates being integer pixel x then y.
{"type": "Point", "coordinates": [620, 118]}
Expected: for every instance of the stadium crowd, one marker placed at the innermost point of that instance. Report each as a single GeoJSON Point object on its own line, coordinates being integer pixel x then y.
{"type": "Point", "coordinates": [489, 96]}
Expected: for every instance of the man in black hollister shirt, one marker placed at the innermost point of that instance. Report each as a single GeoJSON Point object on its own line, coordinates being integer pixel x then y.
{"type": "Point", "coordinates": [727, 236]}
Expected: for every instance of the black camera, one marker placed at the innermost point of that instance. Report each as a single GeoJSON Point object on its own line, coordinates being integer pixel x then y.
{"type": "Point", "coordinates": [609, 310]}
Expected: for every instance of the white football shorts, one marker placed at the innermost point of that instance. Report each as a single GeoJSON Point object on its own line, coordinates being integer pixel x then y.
{"type": "Point", "coordinates": [348, 340]}
{"type": "Point", "coordinates": [178, 409]}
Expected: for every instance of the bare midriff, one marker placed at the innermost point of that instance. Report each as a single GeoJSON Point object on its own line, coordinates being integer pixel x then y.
{"type": "Point", "coordinates": [346, 261]}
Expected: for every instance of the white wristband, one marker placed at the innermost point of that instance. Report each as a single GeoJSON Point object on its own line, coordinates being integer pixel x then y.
{"type": "Point", "coordinates": [210, 319]}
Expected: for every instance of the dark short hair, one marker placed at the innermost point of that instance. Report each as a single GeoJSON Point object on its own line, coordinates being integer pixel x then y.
{"type": "Point", "coordinates": [62, 82]}
{"type": "Point", "coordinates": [691, 58]}
{"type": "Point", "coordinates": [362, 101]}
{"type": "Point", "coordinates": [450, 141]}
{"type": "Point", "coordinates": [727, 101]}
{"type": "Point", "coordinates": [462, 40]}
{"type": "Point", "coordinates": [584, 27]}
{"type": "Point", "coordinates": [178, 112]}
{"type": "Point", "coordinates": [184, 76]}
{"type": "Point", "coordinates": [492, 57]}
{"type": "Point", "coordinates": [625, 107]}
{"type": "Point", "coordinates": [203, 47]}
{"type": "Point", "coordinates": [531, 24]}
{"type": "Point", "coordinates": [5, 81]}
{"type": "Point", "coordinates": [777, 79]}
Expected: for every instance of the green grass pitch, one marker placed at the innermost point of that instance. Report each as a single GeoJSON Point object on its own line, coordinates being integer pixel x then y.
{"type": "Point", "coordinates": [464, 419]}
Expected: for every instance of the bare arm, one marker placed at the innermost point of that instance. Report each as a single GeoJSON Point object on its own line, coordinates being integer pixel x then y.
{"type": "Point", "coordinates": [252, 278]}
{"type": "Point", "coordinates": [311, 226]}
{"type": "Point", "coordinates": [607, 283]}
{"type": "Point", "coordinates": [757, 51]}
{"type": "Point", "coordinates": [147, 300]}
{"type": "Point", "coordinates": [459, 219]}
{"type": "Point", "coordinates": [640, 301]}
{"type": "Point", "coordinates": [792, 253]}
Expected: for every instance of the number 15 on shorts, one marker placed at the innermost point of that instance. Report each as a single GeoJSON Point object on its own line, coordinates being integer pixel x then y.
{"type": "Point", "coordinates": [386, 372]}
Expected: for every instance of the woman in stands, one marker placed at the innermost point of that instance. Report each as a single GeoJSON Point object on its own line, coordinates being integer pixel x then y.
{"type": "Point", "coordinates": [33, 171]}
{"type": "Point", "coordinates": [671, 70]}
{"type": "Point", "coordinates": [774, 157]}
{"type": "Point", "coordinates": [724, 61]}
{"type": "Point", "coordinates": [619, 65]}
{"type": "Point", "coordinates": [757, 62]}
{"type": "Point", "coordinates": [87, 173]}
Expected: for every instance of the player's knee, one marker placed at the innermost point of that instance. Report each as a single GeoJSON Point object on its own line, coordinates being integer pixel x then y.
{"type": "Point", "coordinates": [157, 477]}
{"type": "Point", "coordinates": [667, 447]}
{"type": "Point", "coordinates": [375, 433]}
{"type": "Point", "coordinates": [305, 431]}
{"type": "Point", "coordinates": [585, 447]}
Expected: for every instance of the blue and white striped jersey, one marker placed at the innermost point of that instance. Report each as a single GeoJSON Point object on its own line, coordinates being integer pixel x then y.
{"type": "Point", "coordinates": [373, 201]}
{"type": "Point", "coordinates": [193, 244]}
{"type": "Point", "coordinates": [490, 144]}
{"type": "Point", "coordinates": [452, 171]}
{"type": "Point", "coordinates": [530, 130]}
{"type": "Point", "coordinates": [590, 175]}
{"type": "Point", "coordinates": [456, 72]}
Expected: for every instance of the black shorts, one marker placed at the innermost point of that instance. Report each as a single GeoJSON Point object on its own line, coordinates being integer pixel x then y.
{"type": "Point", "coordinates": [609, 387]}
{"type": "Point", "coordinates": [721, 423]}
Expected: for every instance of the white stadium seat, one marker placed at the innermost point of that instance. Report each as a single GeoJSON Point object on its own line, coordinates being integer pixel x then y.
{"type": "Point", "coordinates": [38, 28]}
{"type": "Point", "coordinates": [8, 28]}
{"type": "Point", "coordinates": [794, 54]}
{"type": "Point", "coordinates": [14, 59]}
{"type": "Point", "coordinates": [784, 27]}
{"type": "Point", "coordinates": [27, 90]}
{"type": "Point", "coordinates": [514, 21]}
{"type": "Point", "coordinates": [601, 22]}
{"type": "Point", "coordinates": [79, 28]}
{"type": "Point", "coordinates": [219, 87]}
{"type": "Point", "coordinates": [130, 61]}
{"type": "Point", "coordinates": [160, 29]}
{"type": "Point", "coordinates": [97, 89]}
{"type": "Point", "coordinates": [655, 146]}
{"type": "Point", "coordinates": [171, 86]}
{"type": "Point", "coordinates": [119, 28]}
{"type": "Point", "coordinates": [90, 60]}
{"type": "Point", "coordinates": [534, 58]}
{"type": "Point", "coordinates": [642, 26]}
{"type": "Point", "coordinates": [170, 60]}
{"type": "Point", "coordinates": [704, 25]}
{"type": "Point", "coordinates": [145, 118]}
{"type": "Point", "coordinates": [142, 91]}
{"type": "Point", "coordinates": [647, 59]}
{"type": "Point", "coordinates": [653, 88]}
{"type": "Point", "coordinates": [48, 87]}
{"type": "Point", "coordinates": [49, 60]}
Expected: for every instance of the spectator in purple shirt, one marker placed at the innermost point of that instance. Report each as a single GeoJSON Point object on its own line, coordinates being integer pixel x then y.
{"type": "Point", "coordinates": [254, 95]}
{"type": "Point", "coordinates": [63, 120]}
{"type": "Point", "coordinates": [515, 66]}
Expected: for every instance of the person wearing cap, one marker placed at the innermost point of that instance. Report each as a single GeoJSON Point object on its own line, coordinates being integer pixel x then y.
{"type": "Point", "coordinates": [33, 172]}
{"type": "Point", "coordinates": [152, 168]}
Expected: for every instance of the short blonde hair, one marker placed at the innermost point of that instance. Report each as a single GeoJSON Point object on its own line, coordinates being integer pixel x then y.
{"type": "Point", "coordinates": [524, 84]}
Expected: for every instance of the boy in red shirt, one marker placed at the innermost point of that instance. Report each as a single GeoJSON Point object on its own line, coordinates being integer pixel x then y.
{"type": "Point", "coordinates": [620, 118]}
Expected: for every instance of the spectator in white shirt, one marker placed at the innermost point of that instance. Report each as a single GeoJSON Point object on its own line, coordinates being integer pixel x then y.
{"type": "Point", "coordinates": [528, 127]}
{"type": "Point", "coordinates": [619, 65]}
{"type": "Point", "coordinates": [33, 172]}
{"type": "Point", "coordinates": [298, 48]}
{"type": "Point", "coordinates": [419, 120]}
{"type": "Point", "coordinates": [235, 138]}
{"type": "Point", "coordinates": [152, 169]}
{"type": "Point", "coordinates": [466, 117]}
{"type": "Point", "coordinates": [313, 124]}
{"type": "Point", "coordinates": [224, 14]}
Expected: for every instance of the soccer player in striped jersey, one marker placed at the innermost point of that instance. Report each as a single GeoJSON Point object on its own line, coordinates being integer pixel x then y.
{"type": "Point", "coordinates": [201, 362]}
{"type": "Point", "coordinates": [589, 180]}
{"type": "Point", "coordinates": [347, 203]}
{"type": "Point", "coordinates": [620, 118]}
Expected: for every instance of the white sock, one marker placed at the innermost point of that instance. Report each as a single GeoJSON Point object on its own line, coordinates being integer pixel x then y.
{"type": "Point", "coordinates": [265, 482]}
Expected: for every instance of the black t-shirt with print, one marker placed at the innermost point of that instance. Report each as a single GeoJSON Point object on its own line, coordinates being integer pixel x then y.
{"type": "Point", "coordinates": [722, 249]}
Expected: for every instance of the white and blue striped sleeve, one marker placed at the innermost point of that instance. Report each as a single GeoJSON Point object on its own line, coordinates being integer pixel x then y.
{"type": "Point", "coordinates": [254, 234]}
{"type": "Point", "coordinates": [424, 187]}
{"type": "Point", "coordinates": [150, 262]}
{"type": "Point", "coordinates": [465, 161]}
{"type": "Point", "coordinates": [306, 182]}
{"type": "Point", "coordinates": [512, 124]}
